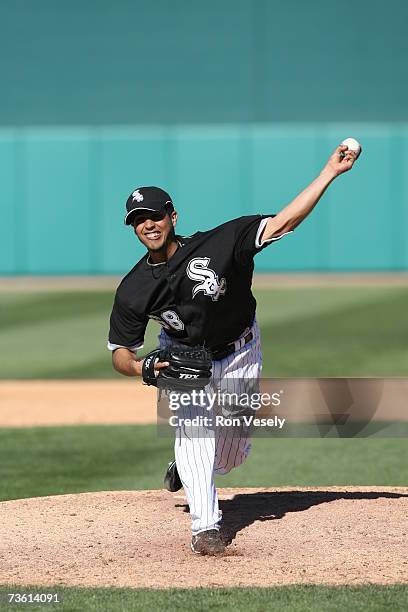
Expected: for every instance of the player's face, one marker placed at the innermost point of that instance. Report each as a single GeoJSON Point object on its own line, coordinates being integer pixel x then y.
{"type": "Point", "coordinates": [155, 230]}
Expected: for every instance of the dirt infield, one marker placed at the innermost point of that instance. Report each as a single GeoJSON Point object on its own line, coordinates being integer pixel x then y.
{"type": "Point", "coordinates": [119, 402]}
{"type": "Point", "coordinates": [27, 403]}
{"type": "Point", "coordinates": [346, 535]}
{"type": "Point", "coordinates": [141, 539]}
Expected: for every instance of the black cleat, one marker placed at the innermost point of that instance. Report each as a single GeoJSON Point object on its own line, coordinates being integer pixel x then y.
{"type": "Point", "coordinates": [172, 480]}
{"type": "Point", "coordinates": [208, 543]}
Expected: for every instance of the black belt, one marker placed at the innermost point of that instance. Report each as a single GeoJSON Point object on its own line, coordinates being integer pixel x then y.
{"type": "Point", "coordinates": [222, 352]}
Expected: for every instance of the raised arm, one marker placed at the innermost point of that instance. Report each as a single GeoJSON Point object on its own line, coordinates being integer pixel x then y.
{"type": "Point", "coordinates": [288, 218]}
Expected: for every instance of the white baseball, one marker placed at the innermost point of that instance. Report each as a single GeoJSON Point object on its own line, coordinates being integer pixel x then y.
{"type": "Point", "coordinates": [353, 145]}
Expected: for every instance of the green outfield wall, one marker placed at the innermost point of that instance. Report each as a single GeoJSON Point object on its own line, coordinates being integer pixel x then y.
{"type": "Point", "coordinates": [64, 189]}
{"type": "Point", "coordinates": [232, 105]}
{"type": "Point", "coordinates": [186, 61]}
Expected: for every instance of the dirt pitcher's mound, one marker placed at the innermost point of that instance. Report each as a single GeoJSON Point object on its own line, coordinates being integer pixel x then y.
{"type": "Point", "coordinates": [141, 539]}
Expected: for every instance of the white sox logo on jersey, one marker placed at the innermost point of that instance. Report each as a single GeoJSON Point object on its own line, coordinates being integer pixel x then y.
{"type": "Point", "coordinates": [208, 282]}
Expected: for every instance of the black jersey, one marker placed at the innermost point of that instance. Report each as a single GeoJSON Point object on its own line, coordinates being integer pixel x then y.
{"type": "Point", "coordinates": [201, 295]}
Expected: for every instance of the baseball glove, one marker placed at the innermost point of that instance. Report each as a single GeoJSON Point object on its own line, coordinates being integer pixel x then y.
{"type": "Point", "coordinates": [189, 368]}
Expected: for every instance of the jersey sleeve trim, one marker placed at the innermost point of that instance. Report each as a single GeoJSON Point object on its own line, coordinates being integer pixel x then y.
{"type": "Point", "coordinates": [113, 347]}
{"type": "Point", "coordinates": [260, 243]}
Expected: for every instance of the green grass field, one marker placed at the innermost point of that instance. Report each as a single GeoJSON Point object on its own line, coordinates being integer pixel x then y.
{"type": "Point", "coordinates": [336, 331]}
{"type": "Point", "coordinates": [370, 598]}
{"type": "Point", "coordinates": [306, 332]}
{"type": "Point", "coordinates": [56, 460]}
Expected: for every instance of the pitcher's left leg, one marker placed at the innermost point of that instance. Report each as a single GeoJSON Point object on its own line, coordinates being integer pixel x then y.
{"type": "Point", "coordinates": [232, 447]}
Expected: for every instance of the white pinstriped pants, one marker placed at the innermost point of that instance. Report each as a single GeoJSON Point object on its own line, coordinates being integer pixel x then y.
{"type": "Point", "coordinates": [202, 453]}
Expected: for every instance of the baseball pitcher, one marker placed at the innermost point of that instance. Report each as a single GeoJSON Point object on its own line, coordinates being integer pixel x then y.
{"type": "Point", "coordinates": [199, 289]}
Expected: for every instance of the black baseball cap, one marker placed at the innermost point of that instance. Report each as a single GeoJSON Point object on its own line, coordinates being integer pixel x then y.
{"type": "Point", "coordinates": [145, 199]}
